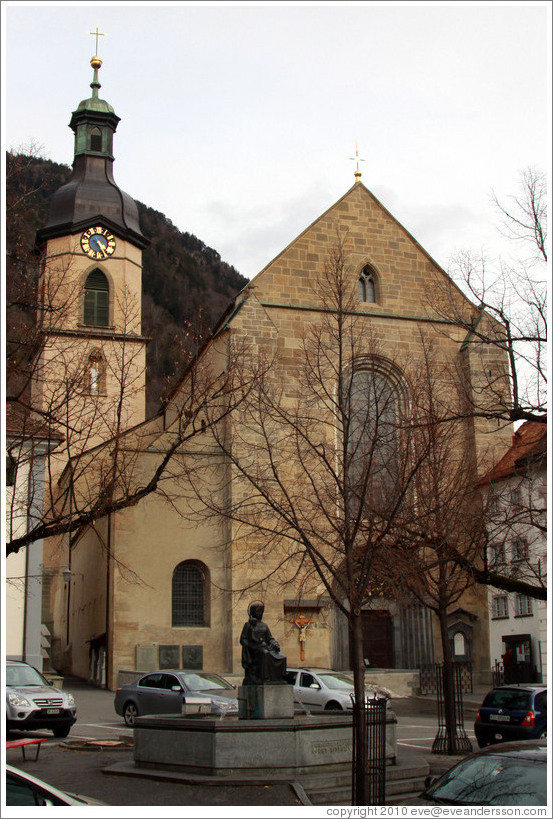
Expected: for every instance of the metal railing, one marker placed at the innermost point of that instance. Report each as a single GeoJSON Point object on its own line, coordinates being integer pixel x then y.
{"type": "Point", "coordinates": [428, 676]}
{"type": "Point", "coordinates": [369, 755]}
{"type": "Point", "coordinates": [458, 742]}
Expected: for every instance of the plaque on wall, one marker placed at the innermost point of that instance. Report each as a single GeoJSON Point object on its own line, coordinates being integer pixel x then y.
{"type": "Point", "coordinates": [146, 657]}
{"type": "Point", "coordinates": [193, 657]}
{"type": "Point", "coordinates": [168, 656]}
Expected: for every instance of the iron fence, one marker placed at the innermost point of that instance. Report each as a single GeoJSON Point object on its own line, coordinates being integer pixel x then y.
{"type": "Point", "coordinates": [459, 742]}
{"type": "Point", "coordinates": [429, 675]}
{"type": "Point", "coordinates": [369, 754]}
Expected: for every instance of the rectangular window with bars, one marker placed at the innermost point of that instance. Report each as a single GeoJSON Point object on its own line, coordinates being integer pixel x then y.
{"type": "Point", "coordinates": [500, 607]}
{"type": "Point", "coordinates": [520, 549]}
{"type": "Point", "coordinates": [496, 555]}
{"type": "Point", "coordinates": [523, 605]}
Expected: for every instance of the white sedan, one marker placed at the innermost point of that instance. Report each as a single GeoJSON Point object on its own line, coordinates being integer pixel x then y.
{"type": "Point", "coordinates": [326, 690]}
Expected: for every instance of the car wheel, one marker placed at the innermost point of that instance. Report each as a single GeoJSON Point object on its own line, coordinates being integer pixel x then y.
{"type": "Point", "coordinates": [130, 712]}
{"type": "Point", "coordinates": [62, 731]}
{"type": "Point", "coordinates": [333, 706]}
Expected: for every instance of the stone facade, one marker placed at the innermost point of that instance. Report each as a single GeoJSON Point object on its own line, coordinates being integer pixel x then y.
{"type": "Point", "coordinates": [125, 600]}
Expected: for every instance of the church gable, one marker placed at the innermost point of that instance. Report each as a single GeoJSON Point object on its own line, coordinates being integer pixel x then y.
{"type": "Point", "coordinates": [376, 246]}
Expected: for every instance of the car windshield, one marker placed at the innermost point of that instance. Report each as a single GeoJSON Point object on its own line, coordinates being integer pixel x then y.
{"type": "Point", "coordinates": [23, 675]}
{"type": "Point", "coordinates": [336, 681]}
{"type": "Point", "coordinates": [492, 779]}
{"type": "Point", "coordinates": [508, 698]}
{"type": "Point", "coordinates": [204, 682]}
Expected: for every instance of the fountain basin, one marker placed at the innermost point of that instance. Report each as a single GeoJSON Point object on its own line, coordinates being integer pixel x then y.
{"type": "Point", "coordinates": [233, 747]}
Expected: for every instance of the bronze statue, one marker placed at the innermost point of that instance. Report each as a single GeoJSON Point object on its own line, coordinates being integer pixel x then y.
{"type": "Point", "coordinates": [261, 657]}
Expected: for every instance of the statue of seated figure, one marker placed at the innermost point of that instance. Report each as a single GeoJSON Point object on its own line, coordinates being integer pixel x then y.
{"type": "Point", "coordinates": [261, 657]}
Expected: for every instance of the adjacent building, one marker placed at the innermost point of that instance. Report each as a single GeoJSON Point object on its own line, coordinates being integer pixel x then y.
{"type": "Point", "coordinates": [516, 503]}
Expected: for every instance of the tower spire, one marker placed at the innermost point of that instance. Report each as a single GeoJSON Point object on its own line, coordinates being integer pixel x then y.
{"type": "Point", "coordinates": [357, 159]}
{"type": "Point", "coordinates": [96, 64]}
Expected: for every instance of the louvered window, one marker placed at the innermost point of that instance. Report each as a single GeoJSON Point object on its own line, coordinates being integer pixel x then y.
{"type": "Point", "coordinates": [96, 140]}
{"type": "Point", "coordinates": [96, 300]}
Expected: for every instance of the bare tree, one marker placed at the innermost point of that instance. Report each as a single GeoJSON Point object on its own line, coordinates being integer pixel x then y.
{"type": "Point", "coordinates": [507, 323]}
{"type": "Point", "coordinates": [444, 522]}
{"type": "Point", "coordinates": [323, 463]}
{"type": "Point", "coordinates": [507, 311]}
{"type": "Point", "coordinates": [85, 483]}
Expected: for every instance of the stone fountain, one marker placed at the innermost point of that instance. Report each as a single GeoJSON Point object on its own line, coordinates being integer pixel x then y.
{"type": "Point", "coordinates": [267, 740]}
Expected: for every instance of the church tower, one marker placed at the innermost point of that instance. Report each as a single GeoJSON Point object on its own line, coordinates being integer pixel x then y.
{"type": "Point", "coordinates": [90, 378]}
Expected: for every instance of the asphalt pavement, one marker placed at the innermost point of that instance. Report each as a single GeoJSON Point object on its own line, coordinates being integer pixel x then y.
{"type": "Point", "coordinates": [100, 739]}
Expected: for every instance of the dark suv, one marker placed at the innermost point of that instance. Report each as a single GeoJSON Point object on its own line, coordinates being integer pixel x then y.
{"type": "Point", "coordinates": [512, 712]}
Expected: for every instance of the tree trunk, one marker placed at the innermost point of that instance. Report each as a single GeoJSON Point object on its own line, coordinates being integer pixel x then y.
{"type": "Point", "coordinates": [448, 687]}
{"type": "Point", "coordinates": [360, 727]}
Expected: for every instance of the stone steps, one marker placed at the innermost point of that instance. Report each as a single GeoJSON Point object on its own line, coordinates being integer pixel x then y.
{"type": "Point", "coordinates": [404, 782]}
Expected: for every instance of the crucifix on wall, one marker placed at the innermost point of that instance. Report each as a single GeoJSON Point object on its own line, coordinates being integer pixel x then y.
{"type": "Point", "coordinates": [302, 622]}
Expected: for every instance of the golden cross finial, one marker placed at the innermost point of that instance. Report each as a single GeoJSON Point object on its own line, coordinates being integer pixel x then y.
{"type": "Point", "coordinates": [96, 34]}
{"type": "Point", "coordinates": [357, 159]}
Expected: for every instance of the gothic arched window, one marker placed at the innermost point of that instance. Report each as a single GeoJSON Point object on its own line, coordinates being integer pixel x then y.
{"type": "Point", "coordinates": [372, 410]}
{"type": "Point", "coordinates": [190, 592]}
{"type": "Point", "coordinates": [96, 300]}
{"type": "Point", "coordinates": [367, 284]}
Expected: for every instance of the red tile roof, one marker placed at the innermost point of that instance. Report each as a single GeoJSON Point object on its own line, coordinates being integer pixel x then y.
{"type": "Point", "coordinates": [22, 424]}
{"type": "Point", "coordinates": [529, 444]}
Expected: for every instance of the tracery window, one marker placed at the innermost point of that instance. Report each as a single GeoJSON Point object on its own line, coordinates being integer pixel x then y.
{"type": "Point", "coordinates": [190, 593]}
{"type": "Point", "coordinates": [96, 300]}
{"type": "Point", "coordinates": [373, 434]}
{"type": "Point", "coordinates": [367, 284]}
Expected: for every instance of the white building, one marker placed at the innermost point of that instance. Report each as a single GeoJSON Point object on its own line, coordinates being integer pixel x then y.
{"type": "Point", "coordinates": [27, 444]}
{"type": "Point", "coordinates": [516, 505]}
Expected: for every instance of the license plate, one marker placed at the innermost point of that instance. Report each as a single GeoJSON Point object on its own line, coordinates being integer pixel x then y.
{"type": "Point", "coordinates": [500, 718]}
{"type": "Point", "coordinates": [52, 710]}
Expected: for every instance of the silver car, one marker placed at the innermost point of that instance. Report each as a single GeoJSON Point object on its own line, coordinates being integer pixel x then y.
{"type": "Point", "coordinates": [33, 703]}
{"type": "Point", "coordinates": [24, 789]}
{"type": "Point", "coordinates": [163, 692]}
{"type": "Point", "coordinates": [321, 689]}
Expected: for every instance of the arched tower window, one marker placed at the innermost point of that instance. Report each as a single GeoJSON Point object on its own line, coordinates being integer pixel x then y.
{"type": "Point", "coordinates": [96, 374]}
{"type": "Point", "coordinates": [190, 592]}
{"type": "Point", "coordinates": [96, 140]}
{"type": "Point", "coordinates": [367, 284]}
{"type": "Point", "coordinates": [96, 300]}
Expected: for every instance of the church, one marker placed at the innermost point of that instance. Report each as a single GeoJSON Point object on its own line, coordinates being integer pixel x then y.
{"type": "Point", "coordinates": [166, 580]}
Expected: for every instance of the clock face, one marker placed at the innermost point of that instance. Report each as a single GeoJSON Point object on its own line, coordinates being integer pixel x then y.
{"type": "Point", "coordinates": [98, 243]}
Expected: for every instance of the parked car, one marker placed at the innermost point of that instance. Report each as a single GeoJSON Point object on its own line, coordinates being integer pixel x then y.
{"type": "Point", "coordinates": [32, 703]}
{"type": "Point", "coordinates": [322, 689]}
{"type": "Point", "coordinates": [162, 692]}
{"type": "Point", "coordinates": [24, 789]}
{"type": "Point", "coordinates": [512, 712]}
{"type": "Point", "coordinates": [510, 773]}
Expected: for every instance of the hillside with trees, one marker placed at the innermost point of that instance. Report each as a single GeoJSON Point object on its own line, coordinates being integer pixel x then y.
{"type": "Point", "coordinates": [185, 284]}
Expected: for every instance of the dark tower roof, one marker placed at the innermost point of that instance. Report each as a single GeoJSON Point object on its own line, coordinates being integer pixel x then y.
{"type": "Point", "coordinates": [91, 196]}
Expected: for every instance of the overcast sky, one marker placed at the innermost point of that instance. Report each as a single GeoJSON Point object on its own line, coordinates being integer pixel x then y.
{"type": "Point", "coordinates": [238, 121]}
